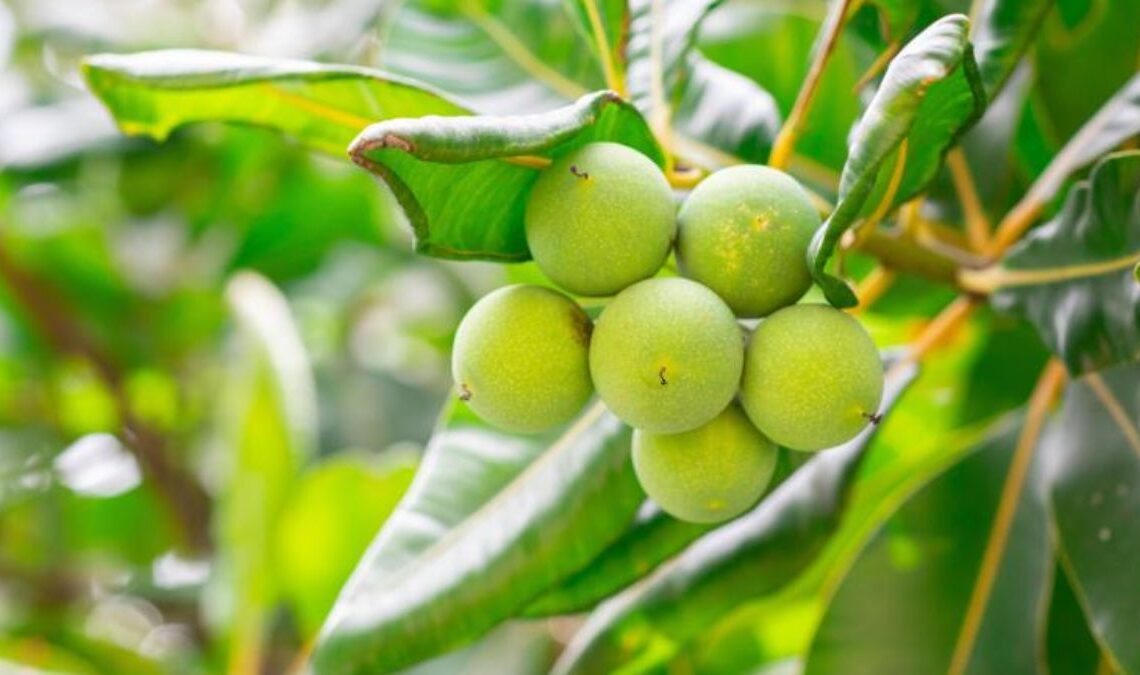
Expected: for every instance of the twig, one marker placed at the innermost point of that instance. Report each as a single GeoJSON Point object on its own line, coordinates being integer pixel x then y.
{"type": "Point", "coordinates": [977, 222]}
{"type": "Point", "coordinates": [184, 497]}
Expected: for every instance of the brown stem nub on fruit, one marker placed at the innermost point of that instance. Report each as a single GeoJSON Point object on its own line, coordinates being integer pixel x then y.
{"type": "Point", "coordinates": [661, 376]}
{"type": "Point", "coordinates": [873, 418]}
{"type": "Point", "coordinates": [465, 393]}
{"type": "Point", "coordinates": [578, 172]}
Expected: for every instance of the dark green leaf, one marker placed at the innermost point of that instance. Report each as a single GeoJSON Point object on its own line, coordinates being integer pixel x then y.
{"type": "Point", "coordinates": [1073, 277]}
{"type": "Point", "coordinates": [555, 517]}
{"type": "Point", "coordinates": [930, 94]}
{"type": "Point", "coordinates": [918, 577]}
{"type": "Point", "coordinates": [427, 161]}
{"type": "Point", "coordinates": [673, 84]}
{"type": "Point", "coordinates": [745, 559]}
{"type": "Point", "coordinates": [1003, 31]}
{"type": "Point", "coordinates": [1115, 122]}
{"type": "Point", "coordinates": [323, 106]}
{"type": "Point", "coordinates": [1094, 492]}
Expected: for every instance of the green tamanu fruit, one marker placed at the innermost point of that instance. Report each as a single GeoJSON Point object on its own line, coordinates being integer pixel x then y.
{"type": "Point", "coordinates": [600, 218]}
{"type": "Point", "coordinates": [744, 232]}
{"type": "Point", "coordinates": [521, 358]}
{"type": "Point", "coordinates": [666, 355]}
{"type": "Point", "coordinates": [812, 377]}
{"type": "Point", "coordinates": [710, 474]}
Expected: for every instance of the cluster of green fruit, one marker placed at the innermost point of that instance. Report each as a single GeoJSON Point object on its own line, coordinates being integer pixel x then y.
{"type": "Point", "coordinates": [667, 355]}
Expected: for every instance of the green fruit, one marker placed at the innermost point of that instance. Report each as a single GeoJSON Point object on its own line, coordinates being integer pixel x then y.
{"type": "Point", "coordinates": [744, 232]}
{"type": "Point", "coordinates": [600, 218]}
{"type": "Point", "coordinates": [812, 377]}
{"type": "Point", "coordinates": [707, 475]}
{"type": "Point", "coordinates": [521, 358]}
{"type": "Point", "coordinates": [666, 355]}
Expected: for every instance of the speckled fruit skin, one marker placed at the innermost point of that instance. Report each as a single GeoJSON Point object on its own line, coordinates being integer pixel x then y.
{"type": "Point", "coordinates": [600, 218]}
{"type": "Point", "coordinates": [521, 358]}
{"type": "Point", "coordinates": [666, 355]}
{"type": "Point", "coordinates": [812, 377]}
{"type": "Point", "coordinates": [744, 232]}
{"type": "Point", "coordinates": [710, 474]}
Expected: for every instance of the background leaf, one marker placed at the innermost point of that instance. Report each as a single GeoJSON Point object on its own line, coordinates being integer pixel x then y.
{"type": "Point", "coordinates": [549, 522]}
{"type": "Point", "coordinates": [1094, 493]}
{"type": "Point", "coordinates": [1072, 277]}
{"type": "Point", "coordinates": [1003, 31]}
{"type": "Point", "coordinates": [919, 572]}
{"type": "Point", "coordinates": [930, 94]}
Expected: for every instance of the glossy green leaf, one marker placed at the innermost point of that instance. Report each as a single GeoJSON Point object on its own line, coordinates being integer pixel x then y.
{"type": "Point", "coordinates": [1002, 33]}
{"type": "Point", "coordinates": [323, 106]}
{"type": "Point", "coordinates": [552, 519]}
{"type": "Point", "coordinates": [333, 513]}
{"type": "Point", "coordinates": [752, 556]}
{"type": "Point", "coordinates": [920, 572]}
{"type": "Point", "coordinates": [613, 19]}
{"type": "Point", "coordinates": [930, 94]}
{"type": "Point", "coordinates": [1072, 278]}
{"type": "Point", "coordinates": [1094, 495]}
{"type": "Point", "coordinates": [426, 161]}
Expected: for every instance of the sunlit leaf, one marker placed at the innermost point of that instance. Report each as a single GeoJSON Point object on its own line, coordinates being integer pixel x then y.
{"type": "Point", "coordinates": [548, 522]}
{"type": "Point", "coordinates": [323, 106]}
{"type": "Point", "coordinates": [458, 178]}
{"type": "Point", "coordinates": [930, 94]}
{"type": "Point", "coordinates": [1094, 494]}
{"type": "Point", "coordinates": [1073, 277]}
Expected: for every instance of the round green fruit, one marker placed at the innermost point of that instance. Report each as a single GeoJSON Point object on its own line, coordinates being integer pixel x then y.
{"type": "Point", "coordinates": [812, 377]}
{"type": "Point", "coordinates": [710, 474]}
{"type": "Point", "coordinates": [666, 355]}
{"type": "Point", "coordinates": [521, 358]}
{"type": "Point", "coordinates": [744, 232]}
{"type": "Point", "coordinates": [600, 218]}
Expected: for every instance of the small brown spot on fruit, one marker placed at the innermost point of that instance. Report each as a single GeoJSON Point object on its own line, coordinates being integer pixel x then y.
{"type": "Point", "coordinates": [579, 172]}
{"type": "Point", "coordinates": [661, 376]}
{"type": "Point", "coordinates": [873, 418]}
{"type": "Point", "coordinates": [464, 392]}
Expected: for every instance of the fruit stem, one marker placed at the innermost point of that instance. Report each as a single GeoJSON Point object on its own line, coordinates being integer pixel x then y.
{"type": "Point", "coordinates": [902, 254]}
{"type": "Point", "coordinates": [829, 37]}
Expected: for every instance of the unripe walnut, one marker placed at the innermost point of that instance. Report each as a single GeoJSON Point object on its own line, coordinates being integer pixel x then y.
{"type": "Point", "coordinates": [709, 474]}
{"type": "Point", "coordinates": [666, 355]}
{"type": "Point", "coordinates": [600, 218]}
{"type": "Point", "coordinates": [744, 233]}
{"type": "Point", "coordinates": [812, 377]}
{"type": "Point", "coordinates": [521, 358]}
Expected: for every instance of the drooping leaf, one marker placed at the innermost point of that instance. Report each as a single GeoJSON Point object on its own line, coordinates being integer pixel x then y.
{"type": "Point", "coordinates": [1072, 278]}
{"type": "Point", "coordinates": [1002, 33]}
{"type": "Point", "coordinates": [1094, 495]}
{"type": "Point", "coordinates": [456, 178]}
{"type": "Point", "coordinates": [548, 522]}
{"type": "Point", "coordinates": [754, 555]}
{"type": "Point", "coordinates": [930, 94]}
{"type": "Point", "coordinates": [323, 106]}
{"type": "Point", "coordinates": [921, 571]}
